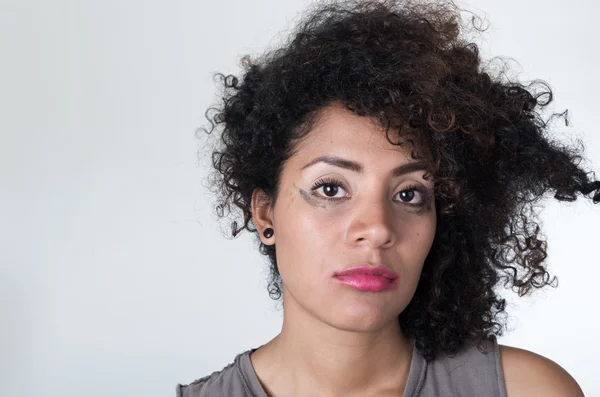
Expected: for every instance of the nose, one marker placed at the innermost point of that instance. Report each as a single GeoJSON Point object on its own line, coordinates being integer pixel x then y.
{"type": "Point", "coordinates": [372, 224]}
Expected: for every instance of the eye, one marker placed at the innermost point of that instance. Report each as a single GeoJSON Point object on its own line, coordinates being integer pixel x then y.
{"type": "Point", "coordinates": [329, 189]}
{"type": "Point", "coordinates": [333, 190]}
{"type": "Point", "coordinates": [413, 195]}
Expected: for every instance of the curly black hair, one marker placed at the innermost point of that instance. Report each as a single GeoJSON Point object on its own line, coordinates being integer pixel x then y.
{"type": "Point", "coordinates": [409, 67]}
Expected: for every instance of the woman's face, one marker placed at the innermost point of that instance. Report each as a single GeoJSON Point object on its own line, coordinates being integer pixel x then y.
{"type": "Point", "coordinates": [348, 209]}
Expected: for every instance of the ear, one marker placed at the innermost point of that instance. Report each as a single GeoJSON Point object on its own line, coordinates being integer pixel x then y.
{"type": "Point", "coordinates": [262, 214]}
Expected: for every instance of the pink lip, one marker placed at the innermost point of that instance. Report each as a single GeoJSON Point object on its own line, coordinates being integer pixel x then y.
{"type": "Point", "coordinates": [368, 278]}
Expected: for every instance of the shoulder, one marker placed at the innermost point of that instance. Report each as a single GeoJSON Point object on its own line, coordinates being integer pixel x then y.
{"type": "Point", "coordinates": [473, 370]}
{"type": "Point", "coordinates": [227, 382]}
{"type": "Point", "coordinates": [530, 374]}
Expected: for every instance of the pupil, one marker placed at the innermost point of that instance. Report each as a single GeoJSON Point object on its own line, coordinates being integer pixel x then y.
{"type": "Point", "coordinates": [408, 193]}
{"type": "Point", "coordinates": [330, 189]}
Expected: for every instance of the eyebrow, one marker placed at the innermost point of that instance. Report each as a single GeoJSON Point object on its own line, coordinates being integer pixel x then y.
{"type": "Point", "coordinates": [357, 167]}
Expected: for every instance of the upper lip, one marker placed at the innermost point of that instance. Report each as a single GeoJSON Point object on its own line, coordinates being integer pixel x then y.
{"type": "Point", "coordinates": [368, 269]}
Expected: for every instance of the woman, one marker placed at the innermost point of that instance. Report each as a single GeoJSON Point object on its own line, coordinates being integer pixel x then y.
{"type": "Point", "coordinates": [391, 181]}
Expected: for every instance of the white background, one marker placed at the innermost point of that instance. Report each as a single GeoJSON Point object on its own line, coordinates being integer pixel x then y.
{"type": "Point", "coordinates": [115, 279]}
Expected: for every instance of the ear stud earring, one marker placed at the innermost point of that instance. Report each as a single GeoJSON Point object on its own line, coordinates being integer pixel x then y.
{"type": "Point", "coordinates": [268, 233]}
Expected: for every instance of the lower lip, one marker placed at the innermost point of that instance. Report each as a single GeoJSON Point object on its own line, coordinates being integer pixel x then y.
{"type": "Point", "coordinates": [366, 282]}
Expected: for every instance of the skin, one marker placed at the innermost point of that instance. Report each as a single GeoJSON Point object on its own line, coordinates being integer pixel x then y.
{"type": "Point", "coordinates": [336, 340]}
{"type": "Point", "coordinates": [528, 374]}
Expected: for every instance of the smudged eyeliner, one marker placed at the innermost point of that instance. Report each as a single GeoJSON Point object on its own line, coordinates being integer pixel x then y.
{"type": "Point", "coordinates": [425, 202]}
{"type": "Point", "coordinates": [310, 200]}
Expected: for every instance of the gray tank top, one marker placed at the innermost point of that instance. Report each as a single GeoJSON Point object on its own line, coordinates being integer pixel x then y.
{"type": "Point", "coordinates": [468, 373]}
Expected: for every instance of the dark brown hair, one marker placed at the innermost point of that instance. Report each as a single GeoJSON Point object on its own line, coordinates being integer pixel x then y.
{"type": "Point", "coordinates": [407, 65]}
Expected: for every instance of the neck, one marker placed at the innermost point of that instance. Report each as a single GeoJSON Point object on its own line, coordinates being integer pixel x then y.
{"type": "Point", "coordinates": [313, 358]}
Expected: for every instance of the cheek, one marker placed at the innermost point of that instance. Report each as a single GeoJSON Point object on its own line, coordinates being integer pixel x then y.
{"type": "Point", "coordinates": [415, 241]}
{"type": "Point", "coordinates": [418, 227]}
{"type": "Point", "coordinates": [425, 233]}
{"type": "Point", "coordinates": [306, 222]}
{"type": "Point", "coordinates": [305, 242]}
{"type": "Point", "coordinates": [415, 235]}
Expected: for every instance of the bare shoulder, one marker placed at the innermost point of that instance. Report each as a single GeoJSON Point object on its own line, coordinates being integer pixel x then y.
{"type": "Point", "coordinates": [529, 374]}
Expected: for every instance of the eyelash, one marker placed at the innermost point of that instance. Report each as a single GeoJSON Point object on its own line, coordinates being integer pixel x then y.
{"type": "Point", "coordinates": [333, 182]}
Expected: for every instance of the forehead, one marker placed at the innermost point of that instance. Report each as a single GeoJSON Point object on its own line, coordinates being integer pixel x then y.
{"type": "Point", "coordinates": [339, 131]}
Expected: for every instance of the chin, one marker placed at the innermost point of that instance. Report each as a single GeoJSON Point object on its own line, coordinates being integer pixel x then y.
{"type": "Point", "coordinates": [360, 319]}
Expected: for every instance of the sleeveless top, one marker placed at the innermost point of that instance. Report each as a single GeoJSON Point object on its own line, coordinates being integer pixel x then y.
{"type": "Point", "coordinates": [467, 373]}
